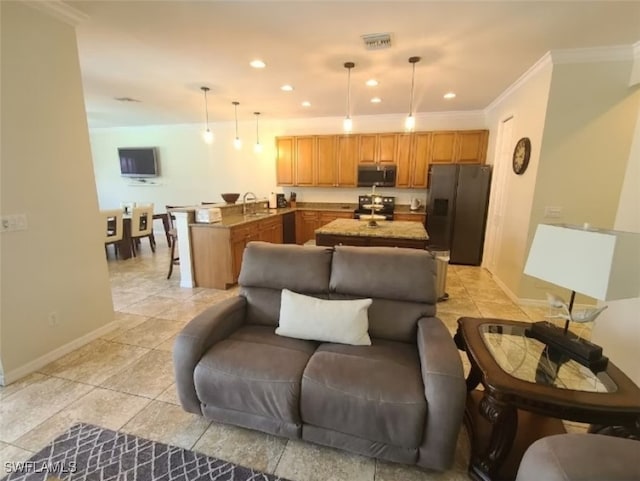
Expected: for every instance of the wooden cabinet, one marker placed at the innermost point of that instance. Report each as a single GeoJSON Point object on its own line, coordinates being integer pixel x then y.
{"type": "Point", "coordinates": [412, 217]}
{"type": "Point", "coordinates": [413, 160]}
{"type": "Point", "coordinates": [285, 161]}
{"type": "Point", "coordinates": [306, 224]}
{"type": "Point", "coordinates": [218, 251]}
{"type": "Point", "coordinates": [305, 161]}
{"type": "Point", "coordinates": [307, 221]}
{"type": "Point", "coordinates": [465, 146]}
{"type": "Point", "coordinates": [318, 160]}
{"type": "Point", "coordinates": [377, 148]}
{"type": "Point", "coordinates": [442, 147]}
{"type": "Point", "coordinates": [471, 146]}
{"type": "Point", "coordinates": [347, 161]}
{"type": "Point", "coordinates": [332, 160]}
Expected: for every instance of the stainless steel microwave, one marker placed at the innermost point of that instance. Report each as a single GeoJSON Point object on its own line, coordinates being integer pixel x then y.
{"type": "Point", "coordinates": [378, 175]}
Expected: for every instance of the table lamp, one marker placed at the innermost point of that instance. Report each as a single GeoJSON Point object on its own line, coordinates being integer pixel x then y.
{"type": "Point", "coordinates": [602, 264]}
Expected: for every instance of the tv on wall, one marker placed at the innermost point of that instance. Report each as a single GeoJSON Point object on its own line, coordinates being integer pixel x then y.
{"type": "Point", "coordinates": [138, 161]}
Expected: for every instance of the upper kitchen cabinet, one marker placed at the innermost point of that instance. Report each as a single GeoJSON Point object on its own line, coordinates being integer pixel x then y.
{"type": "Point", "coordinates": [285, 160]}
{"type": "Point", "coordinates": [347, 161]}
{"type": "Point", "coordinates": [459, 147]}
{"type": "Point", "coordinates": [377, 148]}
{"type": "Point", "coordinates": [337, 160]}
{"type": "Point", "coordinates": [305, 161]}
{"type": "Point", "coordinates": [443, 147]}
{"type": "Point", "coordinates": [471, 146]}
{"type": "Point", "coordinates": [413, 160]}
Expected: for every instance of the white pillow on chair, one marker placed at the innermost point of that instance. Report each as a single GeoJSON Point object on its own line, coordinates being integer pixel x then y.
{"type": "Point", "coordinates": [341, 321]}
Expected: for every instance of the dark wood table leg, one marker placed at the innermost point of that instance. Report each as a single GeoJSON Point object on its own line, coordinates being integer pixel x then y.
{"type": "Point", "coordinates": [503, 418]}
{"type": "Point", "coordinates": [124, 246]}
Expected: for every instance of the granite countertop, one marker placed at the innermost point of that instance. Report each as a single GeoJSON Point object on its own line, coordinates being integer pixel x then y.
{"type": "Point", "coordinates": [396, 229]}
{"type": "Point", "coordinates": [239, 219]}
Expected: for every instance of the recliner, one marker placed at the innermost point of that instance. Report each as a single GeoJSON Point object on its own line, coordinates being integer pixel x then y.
{"type": "Point", "coordinates": [400, 399]}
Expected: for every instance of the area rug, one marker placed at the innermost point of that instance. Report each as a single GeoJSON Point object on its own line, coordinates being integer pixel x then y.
{"type": "Point", "coordinates": [91, 453]}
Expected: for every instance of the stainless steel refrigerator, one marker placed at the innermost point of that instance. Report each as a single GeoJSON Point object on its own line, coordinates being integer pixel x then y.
{"type": "Point", "coordinates": [457, 201]}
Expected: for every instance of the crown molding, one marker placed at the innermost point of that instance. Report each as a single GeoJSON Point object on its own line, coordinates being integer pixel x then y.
{"type": "Point", "coordinates": [60, 10]}
{"type": "Point", "coordinates": [544, 62]}
{"type": "Point", "coordinates": [615, 53]}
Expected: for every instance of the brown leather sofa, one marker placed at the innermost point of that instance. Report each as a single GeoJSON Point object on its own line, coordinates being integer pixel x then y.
{"type": "Point", "coordinates": [400, 399]}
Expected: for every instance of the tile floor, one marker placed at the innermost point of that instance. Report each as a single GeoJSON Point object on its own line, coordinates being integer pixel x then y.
{"type": "Point", "coordinates": [124, 381]}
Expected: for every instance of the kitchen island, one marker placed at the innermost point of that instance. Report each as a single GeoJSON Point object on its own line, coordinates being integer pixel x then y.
{"type": "Point", "coordinates": [355, 232]}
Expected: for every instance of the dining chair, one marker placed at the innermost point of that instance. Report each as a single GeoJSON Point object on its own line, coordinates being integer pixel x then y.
{"type": "Point", "coordinates": [174, 259]}
{"type": "Point", "coordinates": [142, 226]}
{"type": "Point", "coordinates": [113, 224]}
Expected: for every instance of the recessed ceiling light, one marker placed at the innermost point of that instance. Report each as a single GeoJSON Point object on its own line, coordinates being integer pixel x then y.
{"type": "Point", "coordinates": [450, 95]}
{"type": "Point", "coordinates": [306, 103]}
{"type": "Point", "coordinates": [371, 82]}
{"type": "Point", "coordinates": [376, 100]}
{"type": "Point", "coordinates": [286, 88]}
{"type": "Point", "coordinates": [257, 63]}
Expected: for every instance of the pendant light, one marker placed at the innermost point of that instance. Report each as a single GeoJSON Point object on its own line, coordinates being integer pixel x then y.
{"type": "Point", "coordinates": [258, 147]}
{"type": "Point", "coordinates": [207, 135]}
{"type": "Point", "coordinates": [347, 123]}
{"type": "Point", "coordinates": [410, 121]}
{"type": "Point", "coordinates": [237, 143]}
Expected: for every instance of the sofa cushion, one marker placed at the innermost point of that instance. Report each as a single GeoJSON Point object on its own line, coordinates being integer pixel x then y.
{"type": "Point", "coordinates": [384, 272]}
{"type": "Point", "coordinates": [285, 266]}
{"type": "Point", "coordinates": [305, 317]}
{"type": "Point", "coordinates": [256, 372]}
{"type": "Point", "coordinates": [371, 392]}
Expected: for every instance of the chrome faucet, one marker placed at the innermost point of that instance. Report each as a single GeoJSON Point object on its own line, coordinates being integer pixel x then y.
{"type": "Point", "coordinates": [244, 202]}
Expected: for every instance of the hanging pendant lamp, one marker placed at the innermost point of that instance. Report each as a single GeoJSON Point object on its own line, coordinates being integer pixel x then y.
{"type": "Point", "coordinates": [237, 143]}
{"type": "Point", "coordinates": [347, 123]}
{"type": "Point", "coordinates": [207, 135]}
{"type": "Point", "coordinates": [410, 121]}
{"type": "Point", "coordinates": [257, 148]}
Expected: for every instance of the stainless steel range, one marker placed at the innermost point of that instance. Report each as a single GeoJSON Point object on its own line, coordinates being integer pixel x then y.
{"type": "Point", "coordinates": [381, 205]}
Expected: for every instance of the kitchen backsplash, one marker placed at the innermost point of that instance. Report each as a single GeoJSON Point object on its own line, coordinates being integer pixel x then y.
{"type": "Point", "coordinates": [338, 194]}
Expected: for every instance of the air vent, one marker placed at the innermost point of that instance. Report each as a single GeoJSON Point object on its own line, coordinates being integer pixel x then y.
{"type": "Point", "coordinates": [377, 41]}
{"type": "Point", "coordinates": [126, 99]}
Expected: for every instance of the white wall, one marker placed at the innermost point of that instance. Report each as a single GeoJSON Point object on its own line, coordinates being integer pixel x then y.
{"type": "Point", "coordinates": [192, 171]}
{"type": "Point", "coordinates": [58, 264]}
{"type": "Point", "coordinates": [585, 149]}
{"type": "Point", "coordinates": [617, 329]}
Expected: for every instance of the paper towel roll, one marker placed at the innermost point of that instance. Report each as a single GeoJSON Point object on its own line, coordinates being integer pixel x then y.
{"type": "Point", "coordinates": [273, 201]}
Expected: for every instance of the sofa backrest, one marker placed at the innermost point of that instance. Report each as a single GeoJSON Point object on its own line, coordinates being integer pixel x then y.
{"type": "Point", "coordinates": [269, 268]}
{"type": "Point", "coordinates": [401, 282]}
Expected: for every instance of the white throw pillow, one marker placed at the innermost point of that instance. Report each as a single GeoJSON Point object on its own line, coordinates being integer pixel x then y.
{"type": "Point", "coordinates": [305, 317]}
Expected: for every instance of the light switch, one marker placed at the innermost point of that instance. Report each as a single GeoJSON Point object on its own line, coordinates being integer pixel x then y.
{"type": "Point", "coordinates": [552, 212]}
{"type": "Point", "coordinates": [11, 223]}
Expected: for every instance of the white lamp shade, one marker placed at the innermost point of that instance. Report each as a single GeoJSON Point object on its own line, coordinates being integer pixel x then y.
{"type": "Point", "coordinates": [599, 263]}
{"type": "Point", "coordinates": [237, 143]}
{"type": "Point", "coordinates": [347, 124]}
{"type": "Point", "coordinates": [410, 123]}
{"type": "Point", "coordinates": [208, 136]}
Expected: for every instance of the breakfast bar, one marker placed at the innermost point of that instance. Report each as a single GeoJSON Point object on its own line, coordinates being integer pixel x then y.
{"type": "Point", "coordinates": [358, 232]}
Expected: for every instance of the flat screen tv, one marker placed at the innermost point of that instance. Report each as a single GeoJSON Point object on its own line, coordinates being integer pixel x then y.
{"type": "Point", "coordinates": [138, 162]}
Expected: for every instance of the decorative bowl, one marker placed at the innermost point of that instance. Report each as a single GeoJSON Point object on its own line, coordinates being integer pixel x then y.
{"type": "Point", "coordinates": [230, 198]}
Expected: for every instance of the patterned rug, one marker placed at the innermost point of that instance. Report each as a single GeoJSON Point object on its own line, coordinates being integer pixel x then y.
{"type": "Point", "coordinates": [92, 453]}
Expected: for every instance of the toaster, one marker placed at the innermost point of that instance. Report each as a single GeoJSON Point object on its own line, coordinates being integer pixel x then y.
{"type": "Point", "coordinates": [208, 215]}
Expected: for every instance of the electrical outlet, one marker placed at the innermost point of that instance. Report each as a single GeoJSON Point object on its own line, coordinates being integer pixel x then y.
{"type": "Point", "coordinates": [53, 319]}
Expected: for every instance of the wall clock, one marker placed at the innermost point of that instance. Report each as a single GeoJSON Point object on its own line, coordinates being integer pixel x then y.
{"type": "Point", "coordinates": [521, 155]}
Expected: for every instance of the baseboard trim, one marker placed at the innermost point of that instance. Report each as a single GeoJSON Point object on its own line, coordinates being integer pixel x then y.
{"type": "Point", "coordinates": [32, 366]}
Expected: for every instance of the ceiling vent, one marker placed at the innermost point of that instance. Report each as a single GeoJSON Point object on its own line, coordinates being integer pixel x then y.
{"type": "Point", "coordinates": [377, 41]}
{"type": "Point", "coordinates": [126, 99]}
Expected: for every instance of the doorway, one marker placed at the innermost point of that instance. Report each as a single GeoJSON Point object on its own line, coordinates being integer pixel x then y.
{"type": "Point", "coordinates": [495, 218]}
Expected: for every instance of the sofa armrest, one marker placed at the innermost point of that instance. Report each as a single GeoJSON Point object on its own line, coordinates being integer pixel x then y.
{"type": "Point", "coordinates": [445, 391]}
{"type": "Point", "coordinates": [203, 331]}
